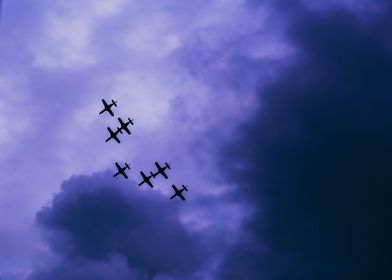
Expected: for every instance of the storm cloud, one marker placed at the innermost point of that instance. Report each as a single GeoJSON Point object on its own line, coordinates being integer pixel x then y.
{"type": "Point", "coordinates": [318, 155]}
{"type": "Point", "coordinates": [97, 224]}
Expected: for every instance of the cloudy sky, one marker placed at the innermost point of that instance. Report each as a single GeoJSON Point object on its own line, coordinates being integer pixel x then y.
{"type": "Point", "coordinates": [276, 114]}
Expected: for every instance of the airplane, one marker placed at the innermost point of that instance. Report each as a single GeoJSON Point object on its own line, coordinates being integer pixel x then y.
{"type": "Point", "coordinates": [124, 125]}
{"type": "Point", "coordinates": [161, 170]}
{"type": "Point", "coordinates": [108, 107]}
{"type": "Point", "coordinates": [146, 179]}
{"type": "Point", "coordinates": [121, 170]}
{"type": "Point", "coordinates": [179, 192]}
{"type": "Point", "coordinates": [113, 135]}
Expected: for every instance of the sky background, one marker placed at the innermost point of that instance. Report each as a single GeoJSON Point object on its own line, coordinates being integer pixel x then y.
{"type": "Point", "coordinates": [276, 114]}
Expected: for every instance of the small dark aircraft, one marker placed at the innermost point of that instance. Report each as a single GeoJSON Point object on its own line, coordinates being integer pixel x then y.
{"type": "Point", "coordinates": [179, 192]}
{"type": "Point", "coordinates": [113, 135]}
{"type": "Point", "coordinates": [146, 179]}
{"type": "Point", "coordinates": [124, 125]}
{"type": "Point", "coordinates": [108, 107]}
{"type": "Point", "coordinates": [161, 170]}
{"type": "Point", "coordinates": [121, 170]}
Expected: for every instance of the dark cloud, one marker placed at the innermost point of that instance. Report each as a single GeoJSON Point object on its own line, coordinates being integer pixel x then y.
{"type": "Point", "coordinates": [94, 217]}
{"type": "Point", "coordinates": [81, 268]}
{"type": "Point", "coordinates": [319, 155]}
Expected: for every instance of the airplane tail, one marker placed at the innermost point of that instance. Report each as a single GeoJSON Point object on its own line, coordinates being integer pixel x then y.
{"type": "Point", "coordinates": [152, 174]}
{"type": "Point", "coordinates": [167, 165]}
{"type": "Point", "coordinates": [185, 187]}
{"type": "Point", "coordinates": [114, 103]}
{"type": "Point", "coordinates": [127, 165]}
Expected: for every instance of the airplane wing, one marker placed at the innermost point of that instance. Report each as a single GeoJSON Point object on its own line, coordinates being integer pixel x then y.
{"type": "Point", "coordinates": [149, 183]}
{"type": "Point", "coordinates": [144, 179]}
{"type": "Point", "coordinates": [164, 174]}
{"type": "Point", "coordinates": [116, 138]}
{"type": "Point", "coordinates": [181, 196]}
{"type": "Point", "coordinates": [118, 166]}
{"type": "Point", "coordinates": [158, 166]}
{"type": "Point", "coordinates": [124, 174]}
{"type": "Point", "coordinates": [175, 188]}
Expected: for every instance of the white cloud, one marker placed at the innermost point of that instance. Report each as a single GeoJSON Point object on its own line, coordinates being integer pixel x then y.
{"type": "Point", "coordinates": [13, 122]}
{"type": "Point", "coordinates": [65, 41]}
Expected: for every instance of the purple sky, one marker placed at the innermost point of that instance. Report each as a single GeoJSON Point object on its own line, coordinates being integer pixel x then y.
{"type": "Point", "coordinates": [189, 72]}
{"type": "Point", "coordinates": [169, 64]}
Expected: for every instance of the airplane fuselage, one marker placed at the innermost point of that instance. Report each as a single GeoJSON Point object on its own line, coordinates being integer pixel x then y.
{"type": "Point", "coordinates": [107, 107]}
{"type": "Point", "coordinates": [113, 135]}
{"type": "Point", "coordinates": [161, 170]}
{"type": "Point", "coordinates": [178, 192]}
{"type": "Point", "coordinates": [124, 125]}
{"type": "Point", "coordinates": [146, 180]}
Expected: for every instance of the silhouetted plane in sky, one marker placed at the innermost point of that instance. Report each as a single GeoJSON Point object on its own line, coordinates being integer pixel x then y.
{"type": "Point", "coordinates": [124, 125]}
{"type": "Point", "coordinates": [121, 170]}
{"type": "Point", "coordinates": [161, 170]}
{"type": "Point", "coordinates": [108, 107]}
{"type": "Point", "coordinates": [146, 179]}
{"type": "Point", "coordinates": [179, 192]}
{"type": "Point", "coordinates": [113, 135]}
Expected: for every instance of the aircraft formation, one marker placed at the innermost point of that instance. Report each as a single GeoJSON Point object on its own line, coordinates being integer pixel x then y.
{"type": "Point", "coordinates": [121, 170]}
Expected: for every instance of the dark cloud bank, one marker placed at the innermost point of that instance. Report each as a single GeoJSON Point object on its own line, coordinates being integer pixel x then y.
{"type": "Point", "coordinates": [320, 156]}
{"type": "Point", "coordinates": [99, 228]}
{"type": "Point", "coordinates": [319, 164]}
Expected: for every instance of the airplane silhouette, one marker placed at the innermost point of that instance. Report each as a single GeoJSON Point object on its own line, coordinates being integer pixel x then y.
{"type": "Point", "coordinates": [179, 192]}
{"type": "Point", "coordinates": [161, 170]}
{"type": "Point", "coordinates": [113, 135]}
{"type": "Point", "coordinates": [108, 107]}
{"type": "Point", "coordinates": [124, 125]}
{"type": "Point", "coordinates": [146, 179]}
{"type": "Point", "coordinates": [121, 170]}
